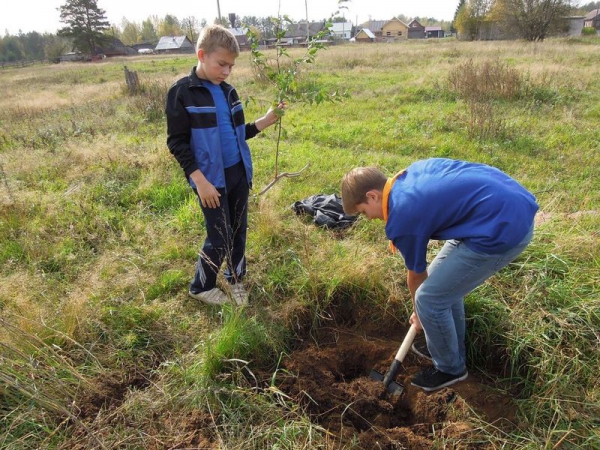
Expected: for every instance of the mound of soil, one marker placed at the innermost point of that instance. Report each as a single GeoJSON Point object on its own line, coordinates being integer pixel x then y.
{"type": "Point", "coordinates": [331, 379]}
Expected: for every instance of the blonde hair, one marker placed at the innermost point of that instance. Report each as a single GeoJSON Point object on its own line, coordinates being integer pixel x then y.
{"type": "Point", "coordinates": [215, 36]}
{"type": "Point", "coordinates": [357, 183]}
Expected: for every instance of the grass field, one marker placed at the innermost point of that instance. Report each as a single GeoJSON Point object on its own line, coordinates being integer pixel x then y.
{"type": "Point", "coordinates": [99, 234]}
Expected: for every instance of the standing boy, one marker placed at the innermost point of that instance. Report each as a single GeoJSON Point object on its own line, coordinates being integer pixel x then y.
{"type": "Point", "coordinates": [486, 219]}
{"type": "Point", "coordinates": [206, 133]}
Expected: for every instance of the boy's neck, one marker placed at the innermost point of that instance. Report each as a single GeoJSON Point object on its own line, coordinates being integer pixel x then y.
{"type": "Point", "coordinates": [200, 72]}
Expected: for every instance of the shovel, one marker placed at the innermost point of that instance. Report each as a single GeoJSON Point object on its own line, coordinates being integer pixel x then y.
{"type": "Point", "coordinates": [388, 380]}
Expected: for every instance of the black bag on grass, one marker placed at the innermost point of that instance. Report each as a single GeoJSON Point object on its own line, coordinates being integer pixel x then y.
{"type": "Point", "coordinates": [327, 211]}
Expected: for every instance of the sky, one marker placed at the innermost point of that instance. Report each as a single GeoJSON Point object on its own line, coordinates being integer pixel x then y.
{"type": "Point", "coordinates": [43, 15]}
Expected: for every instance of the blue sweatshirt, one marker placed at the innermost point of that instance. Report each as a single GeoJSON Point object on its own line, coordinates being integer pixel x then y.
{"type": "Point", "coordinates": [448, 199]}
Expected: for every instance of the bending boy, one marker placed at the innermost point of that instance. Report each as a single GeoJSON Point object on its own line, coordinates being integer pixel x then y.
{"type": "Point", "coordinates": [207, 133]}
{"type": "Point", "coordinates": [486, 219]}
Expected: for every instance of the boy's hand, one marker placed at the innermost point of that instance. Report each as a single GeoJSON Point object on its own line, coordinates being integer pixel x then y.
{"type": "Point", "coordinates": [414, 320]}
{"type": "Point", "coordinates": [274, 113]}
{"type": "Point", "coordinates": [278, 109]}
{"type": "Point", "coordinates": [209, 196]}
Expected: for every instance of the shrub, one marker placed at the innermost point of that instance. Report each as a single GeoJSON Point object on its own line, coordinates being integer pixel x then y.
{"type": "Point", "coordinates": [149, 100]}
{"type": "Point", "coordinates": [481, 86]}
{"type": "Point", "coordinates": [589, 31]}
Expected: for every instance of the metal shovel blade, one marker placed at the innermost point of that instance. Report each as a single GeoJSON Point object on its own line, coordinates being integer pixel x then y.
{"type": "Point", "coordinates": [388, 379]}
{"type": "Point", "coordinates": [393, 387]}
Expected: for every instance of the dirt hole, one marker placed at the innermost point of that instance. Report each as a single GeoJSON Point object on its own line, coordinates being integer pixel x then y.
{"type": "Point", "coordinates": [329, 376]}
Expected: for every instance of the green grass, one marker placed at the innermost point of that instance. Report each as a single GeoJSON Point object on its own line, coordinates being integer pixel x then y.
{"type": "Point", "coordinates": [99, 234]}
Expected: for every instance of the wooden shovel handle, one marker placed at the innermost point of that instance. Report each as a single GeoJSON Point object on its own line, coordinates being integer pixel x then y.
{"type": "Point", "coordinates": [408, 340]}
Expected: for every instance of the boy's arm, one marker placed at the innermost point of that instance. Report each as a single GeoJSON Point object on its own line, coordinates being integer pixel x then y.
{"type": "Point", "coordinates": [179, 130]}
{"type": "Point", "coordinates": [414, 280]}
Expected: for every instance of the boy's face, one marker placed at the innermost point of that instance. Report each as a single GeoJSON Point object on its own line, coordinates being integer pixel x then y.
{"type": "Point", "coordinates": [215, 66]}
{"type": "Point", "coordinates": [372, 208]}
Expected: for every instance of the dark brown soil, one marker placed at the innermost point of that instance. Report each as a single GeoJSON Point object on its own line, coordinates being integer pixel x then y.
{"type": "Point", "coordinates": [328, 374]}
{"type": "Point", "coordinates": [331, 379]}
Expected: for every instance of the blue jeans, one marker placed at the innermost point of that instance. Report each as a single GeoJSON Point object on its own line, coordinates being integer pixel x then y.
{"type": "Point", "coordinates": [439, 301]}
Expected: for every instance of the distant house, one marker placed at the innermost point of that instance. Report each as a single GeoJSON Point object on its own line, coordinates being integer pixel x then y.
{"type": "Point", "coordinates": [374, 26]}
{"type": "Point", "coordinates": [241, 37]}
{"type": "Point", "coordinates": [174, 44]}
{"type": "Point", "coordinates": [296, 32]}
{"type": "Point", "coordinates": [592, 19]}
{"type": "Point", "coordinates": [341, 30]}
{"type": "Point", "coordinates": [365, 35]}
{"type": "Point", "coordinates": [434, 32]}
{"type": "Point", "coordinates": [574, 25]}
{"type": "Point", "coordinates": [416, 30]}
{"type": "Point", "coordinates": [115, 48]}
{"type": "Point", "coordinates": [394, 30]}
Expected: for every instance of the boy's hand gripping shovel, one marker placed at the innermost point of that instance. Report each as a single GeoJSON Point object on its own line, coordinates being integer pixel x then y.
{"type": "Point", "coordinates": [388, 380]}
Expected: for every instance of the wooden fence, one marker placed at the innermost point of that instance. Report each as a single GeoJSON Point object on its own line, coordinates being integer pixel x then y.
{"type": "Point", "coordinates": [12, 64]}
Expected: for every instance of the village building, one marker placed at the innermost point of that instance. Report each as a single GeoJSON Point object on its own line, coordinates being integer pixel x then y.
{"type": "Point", "coordinates": [394, 30]}
{"type": "Point", "coordinates": [341, 30]}
{"type": "Point", "coordinates": [592, 19]}
{"type": "Point", "coordinates": [374, 26]}
{"type": "Point", "coordinates": [174, 44]}
{"type": "Point", "coordinates": [365, 35]}
{"type": "Point", "coordinates": [241, 37]}
{"type": "Point", "coordinates": [416, 30]}
{"type": "Point", "coordinates": [434, 32]}
{"type": "Point", "coordinates": [297, 32]}
{"type": "Point", "coordinates": [115, 48]}
{"type": "Point", "coordinates": [574, 25]}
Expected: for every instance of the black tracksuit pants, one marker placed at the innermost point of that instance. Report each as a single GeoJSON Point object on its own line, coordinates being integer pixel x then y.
{"type": "Point", "coordinates": [226, 229]}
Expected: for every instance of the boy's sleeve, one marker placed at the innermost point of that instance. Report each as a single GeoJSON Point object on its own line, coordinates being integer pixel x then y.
{"type": "Point", "coordinates": [251, 130]}
{"type": "Point", "coordinates": [414, 251]}
{"type": "Point", "coordinates": [179, 131]}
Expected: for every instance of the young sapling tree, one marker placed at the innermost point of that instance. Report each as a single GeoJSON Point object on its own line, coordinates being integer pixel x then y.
{"type": "Point", "coordinates": [282, 72]}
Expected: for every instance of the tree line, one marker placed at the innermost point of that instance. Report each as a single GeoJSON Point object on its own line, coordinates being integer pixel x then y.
{"type": "Point", "coordinates": [86, 28]}
{"type": "Point", "coordinates": [91, 33]}
{"type": "Point", "coordinates": [532, 20]}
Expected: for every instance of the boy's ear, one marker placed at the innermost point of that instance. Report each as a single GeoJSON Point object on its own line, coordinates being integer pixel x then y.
{"type": "Point", "coordinates": [200, 55]}
{"type": "Point", "coordinates": [373, 194]}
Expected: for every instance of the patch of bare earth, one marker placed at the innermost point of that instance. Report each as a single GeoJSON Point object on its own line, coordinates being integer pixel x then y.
{"type": "Point", "coordinates": [98, 411]}
{"type": "Point", "coordinates": [331, 380]}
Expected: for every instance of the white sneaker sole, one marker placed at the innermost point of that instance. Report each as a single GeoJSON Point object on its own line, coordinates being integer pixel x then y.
{"type": "Point", "coordinates": [203, 299]}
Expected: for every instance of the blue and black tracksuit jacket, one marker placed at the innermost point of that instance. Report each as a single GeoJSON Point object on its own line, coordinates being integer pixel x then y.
{"type": "Point", "coordinates": [193, 129]}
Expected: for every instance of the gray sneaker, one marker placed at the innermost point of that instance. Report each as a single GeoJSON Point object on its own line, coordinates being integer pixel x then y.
{"type": "Point", "coordinates": [213, 297]}
{"type": "Point", "coordinates": [239, 294]}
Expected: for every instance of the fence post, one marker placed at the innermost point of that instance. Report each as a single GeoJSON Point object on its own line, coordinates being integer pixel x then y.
{"type": "Point", "coordinates": [131, 78]}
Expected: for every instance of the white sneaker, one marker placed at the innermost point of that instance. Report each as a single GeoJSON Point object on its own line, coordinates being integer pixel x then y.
{"type": "Point", "coordinates": [239, 294]}
{"type": "Point", "coordinates": [213, 297]}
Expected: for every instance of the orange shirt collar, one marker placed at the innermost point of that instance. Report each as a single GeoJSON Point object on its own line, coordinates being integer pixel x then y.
{"type": "Point", "coordinates": [385, 202]}
{"type": "Point", "coordinates": [386, 194]}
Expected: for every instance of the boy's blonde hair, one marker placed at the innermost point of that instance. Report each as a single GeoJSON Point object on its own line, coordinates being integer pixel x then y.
{"type": "Point", "coordinates": [215, 36]}
{"type": "Point", "coordinates": [357, 183]}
